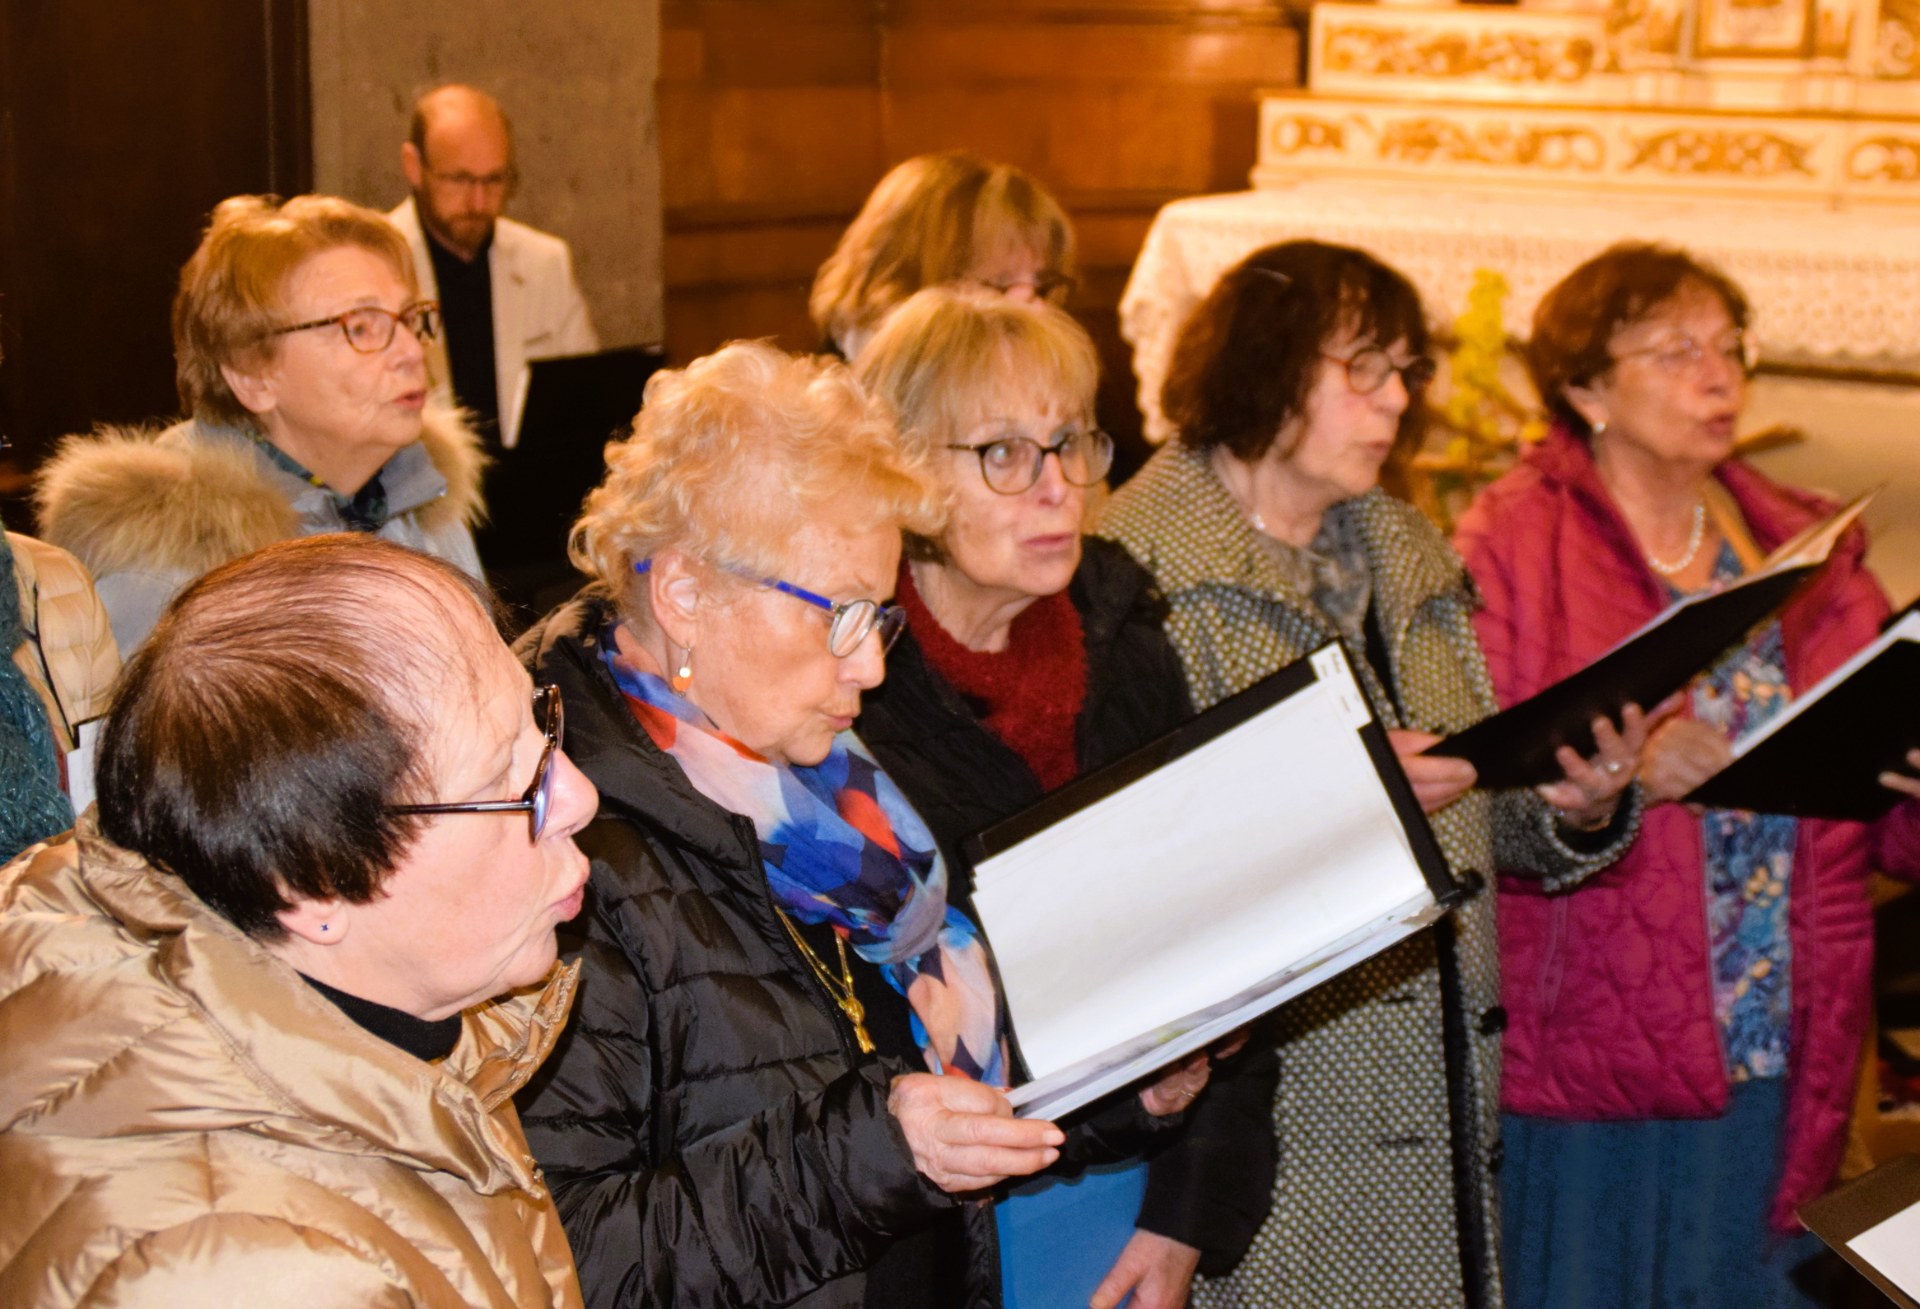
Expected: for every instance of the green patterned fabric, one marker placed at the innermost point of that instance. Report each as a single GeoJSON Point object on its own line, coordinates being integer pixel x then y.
{"type": "Point", "coordinates": [32, 806]}
{"type": "Point", "coordinates": [1364, 1212]}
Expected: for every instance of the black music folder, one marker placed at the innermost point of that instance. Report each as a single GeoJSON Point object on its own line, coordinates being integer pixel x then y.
{"type": "Point", "coordinates": [1873, 1222]}
{"type": "Point", "coordinates": [1156, 905]}
{"type": "Point", "coordinates": [1516, 746]}
{"type": "Point", "coordinates": [1822, 756]}
{"type": "Point", "coordinates": [572, 406]}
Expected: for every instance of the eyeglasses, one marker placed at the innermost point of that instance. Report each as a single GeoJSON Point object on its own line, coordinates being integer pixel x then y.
{"type": "Point", "coordinates": [493, 183]}
{"type": "Point", "coordinates": [537, 803]}
{"type": "Point", "coordinates": [1045, 286]}
{"type": "Point", "coordinates": [369, 329]}
{"type": "Point", "coordinates": [1677, 354]}
{"type": "Point", "coordinates": [849, 622]}
{"type": "Point", "coordinates": [1012, 464]}
{"type": "Point", "coordinates": [1368, 370]}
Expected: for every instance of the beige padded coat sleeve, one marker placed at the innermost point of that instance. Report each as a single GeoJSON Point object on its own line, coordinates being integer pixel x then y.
{"type": "Point", "coordinates": [69, 655]}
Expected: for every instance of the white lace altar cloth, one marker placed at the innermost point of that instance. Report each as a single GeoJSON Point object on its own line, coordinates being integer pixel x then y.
{"type": "Point", "coordinates": [1832, 288]}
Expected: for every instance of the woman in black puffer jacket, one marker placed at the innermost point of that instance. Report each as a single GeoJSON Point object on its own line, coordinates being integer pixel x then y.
{"type": "Point", "coordinates": [742, 1112]}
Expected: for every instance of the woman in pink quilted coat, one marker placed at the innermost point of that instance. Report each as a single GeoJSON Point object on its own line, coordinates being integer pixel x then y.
{"type": "Point", "coordinates": [1685, 1027]}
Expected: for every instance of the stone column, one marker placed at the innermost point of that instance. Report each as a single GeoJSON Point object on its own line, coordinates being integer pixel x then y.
{"type": "Point", "coordinates": [577, 78]}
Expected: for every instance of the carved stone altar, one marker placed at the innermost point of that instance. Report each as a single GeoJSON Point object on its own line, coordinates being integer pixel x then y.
{"type": "Point", "coordinates": [1817, 100]}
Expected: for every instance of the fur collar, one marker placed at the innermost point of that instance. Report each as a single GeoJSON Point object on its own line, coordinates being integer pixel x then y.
{"type": "Point", "coordinates": [184, 499]}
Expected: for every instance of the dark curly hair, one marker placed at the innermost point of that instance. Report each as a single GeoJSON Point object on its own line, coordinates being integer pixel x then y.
{"type": "Point", "coordinates": [1247, 356]}
{"type": "Point", "coordinates": [1574, 326]}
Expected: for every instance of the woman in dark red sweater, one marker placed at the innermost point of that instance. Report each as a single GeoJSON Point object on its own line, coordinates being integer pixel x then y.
{"type": "Point", "coordinates": [1030, 656]}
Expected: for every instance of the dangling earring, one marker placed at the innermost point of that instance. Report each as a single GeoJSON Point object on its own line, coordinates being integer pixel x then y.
{"type": "Point", "coordinates": [681, 680]}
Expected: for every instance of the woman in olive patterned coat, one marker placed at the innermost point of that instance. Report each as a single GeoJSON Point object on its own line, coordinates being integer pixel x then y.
{"type": "Point", "coordinates": [1266, 530]}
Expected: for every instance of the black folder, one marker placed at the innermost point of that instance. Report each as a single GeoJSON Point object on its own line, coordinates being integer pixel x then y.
{"type": "Point", "coordinates": [1862, 1204]}
{"type": "Point", "coordinates": [574, 405]}
{"type": "Point", "coordinates": [1516, 746]}
{"type": "Point", "coordinates": [1824, 757]}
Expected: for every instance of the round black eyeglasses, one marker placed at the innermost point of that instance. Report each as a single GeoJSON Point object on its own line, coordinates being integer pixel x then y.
{"type": "Point", "coordinates": [1012, 464]}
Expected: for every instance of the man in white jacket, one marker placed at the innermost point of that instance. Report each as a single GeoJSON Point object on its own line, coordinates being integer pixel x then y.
{"type": "Point", "coordinates": [507, 291]}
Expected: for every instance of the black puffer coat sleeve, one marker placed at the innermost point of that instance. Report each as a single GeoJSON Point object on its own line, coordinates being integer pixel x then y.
{"type": "Point", "coordinates": [1211, 1188]}
{"type": "Point", "coordinates": [766, 1210]}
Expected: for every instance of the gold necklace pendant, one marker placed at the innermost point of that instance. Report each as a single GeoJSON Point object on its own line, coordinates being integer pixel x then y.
{"type": "Point", "coordinates": [841, 991]}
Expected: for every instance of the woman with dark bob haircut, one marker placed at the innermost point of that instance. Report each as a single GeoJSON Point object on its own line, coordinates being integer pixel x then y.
{"type": "Point", "coordinates": [1266, 529]}
{"type": "Point", "coordinates": [1662, 1115]}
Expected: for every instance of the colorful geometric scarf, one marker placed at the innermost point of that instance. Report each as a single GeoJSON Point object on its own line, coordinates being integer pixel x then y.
{"type": "Point", "coordinates": [841, 845]}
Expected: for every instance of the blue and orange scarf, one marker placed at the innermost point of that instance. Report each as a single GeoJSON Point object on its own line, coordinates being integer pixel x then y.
{"type": "Point", "coordinates": [841, 845]}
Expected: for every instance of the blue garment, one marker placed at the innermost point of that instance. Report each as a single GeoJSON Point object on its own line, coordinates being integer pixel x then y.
{"type": "Point", "coordinates": [1059, 1237]}
{"type": "Point", "coordinates": [1653, 1213]}
{"type": "Point", "coordinates": [32, 806]}
{"type": "Point", "coordinates": [1749, 862]}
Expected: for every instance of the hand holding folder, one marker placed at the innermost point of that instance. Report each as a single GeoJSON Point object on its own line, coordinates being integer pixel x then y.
{"type": "Point", "coordinates": [1517, 747]}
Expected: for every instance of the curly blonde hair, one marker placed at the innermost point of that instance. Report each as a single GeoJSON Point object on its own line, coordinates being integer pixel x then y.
{"type": "Point", "coordinates": [233, 291]}
{"type": "Point", "coordinates": [734, 454]}
{"type": "Point", "coordinates": [933, 219]}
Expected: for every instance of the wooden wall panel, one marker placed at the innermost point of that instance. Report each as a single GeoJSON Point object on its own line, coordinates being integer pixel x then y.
{"type": "Point", "coordinates": [777, 119]}
{"type": "Point", "coordinates": [110, 159]}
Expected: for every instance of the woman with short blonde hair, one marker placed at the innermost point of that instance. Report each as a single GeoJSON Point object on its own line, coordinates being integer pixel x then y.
{"type": "Point", "coordinates": [1031, 656]}
{"type": "Point", "coordinates": [299, 347]}
{"type": "Point", "coordinates": [938, 218]}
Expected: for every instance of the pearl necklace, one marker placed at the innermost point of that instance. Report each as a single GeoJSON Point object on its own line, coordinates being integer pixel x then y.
{"type": "Point", "coordinates": [1694, 538]}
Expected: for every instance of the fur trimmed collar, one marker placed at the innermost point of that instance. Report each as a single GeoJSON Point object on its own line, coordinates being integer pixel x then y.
{"type": "Point", "coordinates": [189, 498]}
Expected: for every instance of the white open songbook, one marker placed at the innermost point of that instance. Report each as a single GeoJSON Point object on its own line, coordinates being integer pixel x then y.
{"type": "Point", "coordinates": [1156, 905]}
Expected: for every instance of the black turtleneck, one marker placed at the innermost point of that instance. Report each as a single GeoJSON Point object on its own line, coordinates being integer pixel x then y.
{"type": "Point", "coordinates": [424, 1039]}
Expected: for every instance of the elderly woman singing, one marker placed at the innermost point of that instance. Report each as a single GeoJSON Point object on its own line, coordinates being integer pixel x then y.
{"type": "Point", "coordinates": [752, 1109]}
{"type": "Point", "coordinates": [1033, 655]}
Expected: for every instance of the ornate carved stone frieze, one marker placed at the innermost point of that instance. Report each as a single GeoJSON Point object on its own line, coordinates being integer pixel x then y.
{"type": "Point", "coordinates": [1502, 144]}
{"type": "Point", "coordinates": [1287, 135]}
{"type": "Point", "coordinates": [1896, 51]}
{"type": "Point", "coordinates": [1885, 159]}
{"type": "Point", "coordinates": [1814, 100]}
{"type": "Point", "coordinates": [1377, 50]}
{"type": "Point", "coordinates": [1708, 152]}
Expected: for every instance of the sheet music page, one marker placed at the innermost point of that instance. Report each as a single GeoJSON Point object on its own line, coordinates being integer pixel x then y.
{"type": "Point", "coordinates": [1893, 1247]}
{"type": "Point", "coordinates": [1198, 881]}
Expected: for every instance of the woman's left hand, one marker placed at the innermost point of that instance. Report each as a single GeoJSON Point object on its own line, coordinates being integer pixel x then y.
{"type": "Point", "coordinates": [1157, 1270]}
{"type": "Point", "coordinates": [1590, 790]}
{"type": "Point", "coordinates": [1179, 1086]}
{"type": "Point", "coordinates": [1901, 782]}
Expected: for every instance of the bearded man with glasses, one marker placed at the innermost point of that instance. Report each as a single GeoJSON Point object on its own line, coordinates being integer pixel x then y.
{"type": "Point", "coordinates": [268, 1003]}
{"type": "Point", "coordinates": [508, 289]}
{"type": "Point", "coordinates": [300, 348]}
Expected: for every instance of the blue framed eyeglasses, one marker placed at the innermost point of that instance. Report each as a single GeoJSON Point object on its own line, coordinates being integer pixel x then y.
{"type": "Point", "coordinates": [538, 800]}
{"type": "Point", "coordinates": [849, 622]}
